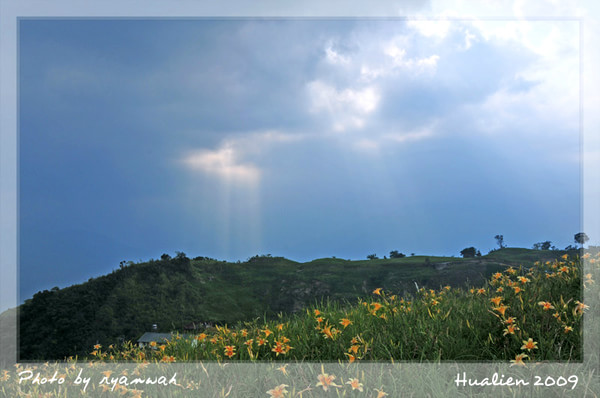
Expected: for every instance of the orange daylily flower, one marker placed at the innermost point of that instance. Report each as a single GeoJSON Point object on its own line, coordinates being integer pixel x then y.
{"type": "Point", "coordinates": [556, 315]}
{"type": "Point", "coordinates": [328, 332]}
{"type": "Point", "coordinates": [201, 337]}
{"type": "Point", "coordinates": [377, 291]}
{"type": "Point", "coordinates": [229, 350]}
{"type": "Point", "coordinates": [510, 329]}
{"type": "Point", "coordinates": [496, 300]}
{"type": "Point", "coordinates": [529, 345]}
{"type": "Point", "coordinates": [501, 309]}
{"type": "Point", "coordinates": [519, 360]}
{"type": "Point", "coordinates": [278, 391]}
{"type": "Point", "coordinates": [345, 322]}
{"type": "Point", "coordinates": [278, 349]}
{"type": "Point", "coordinates": [547, 306]}
{"type": "Point", "coordinates": [579, 308]}
{"type": "Point", "coordinates": [326, 380]}
{"type": "Point", "coordinates": [355, 384]}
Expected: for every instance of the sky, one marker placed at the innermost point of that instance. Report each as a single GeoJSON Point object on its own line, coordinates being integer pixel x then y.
{"type": "Point", "coordinates": [296, 137]}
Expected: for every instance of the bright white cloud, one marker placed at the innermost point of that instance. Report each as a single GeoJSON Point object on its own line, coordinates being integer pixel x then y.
{"type": "Point", "coordinates": [236, 158]}
{"type": "Point", "coordinates": [390, 68]}
{"type": "Point", "coordinates": [369, 73]}
{"type": "Point", "coordinates": [429, 62]}
{"type": "Point", "coordinates": [396, 53]}
{"type": "Point", "coordinates": [335, 57]}
{"type": "Point", "coordinates": [415, 135]}
{"type": "Point", "coordinates": [374, 142]}
{"type": "Point", "coordinates": [347, 108]}
{"type": "Point", "coordinates": [553, 99]}
{"type": "Point", "coordinates": [469, 39]}
{"type": "Point", "coordinates": [224, 163]}
{"type": "Point", "coordinates": [396, 61]}
{"type": "Point", "coordinates": [432, 28]}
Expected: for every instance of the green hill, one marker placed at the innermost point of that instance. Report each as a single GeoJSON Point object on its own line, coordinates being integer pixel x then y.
{"type": "Point", "coordinates": [174, 292]}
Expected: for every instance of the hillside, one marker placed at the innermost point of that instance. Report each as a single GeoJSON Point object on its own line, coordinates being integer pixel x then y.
{"type": "Point", "coordinates": [174, 292]}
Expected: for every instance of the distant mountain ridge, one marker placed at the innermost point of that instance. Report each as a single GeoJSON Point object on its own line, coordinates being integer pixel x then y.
{"type": "Point", "coordinates": [175, 292]}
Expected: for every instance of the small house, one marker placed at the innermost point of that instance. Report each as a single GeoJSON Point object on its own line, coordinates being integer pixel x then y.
{"type": "Point", "coordinates": [159, 338]}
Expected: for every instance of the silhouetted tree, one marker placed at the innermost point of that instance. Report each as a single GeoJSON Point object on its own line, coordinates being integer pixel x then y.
{"type": "Point", "coordinates": [396, 254]}
{"type": "Point", "coordinates": [500, 241]}
{"type": "Point", "coordinates": [372, 256]}
{"type": "Point", "coordinates": [468, 252]}
{"type": "Point", "coordinates": [180, 256]}
{"type": "Point", "coordinates": [542, 245]}
{"type": "Point", "coordinates": [581, 238]}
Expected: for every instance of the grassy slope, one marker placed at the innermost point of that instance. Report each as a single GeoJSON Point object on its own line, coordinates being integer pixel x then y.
{"type": "Point", "coordinates": [123, 304]}
{"type": "Point", "coordinates": [539, 303]}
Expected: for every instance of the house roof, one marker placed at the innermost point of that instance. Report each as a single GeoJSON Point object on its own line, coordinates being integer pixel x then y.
{"type": "Point", "coordinates": [158, 337]}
